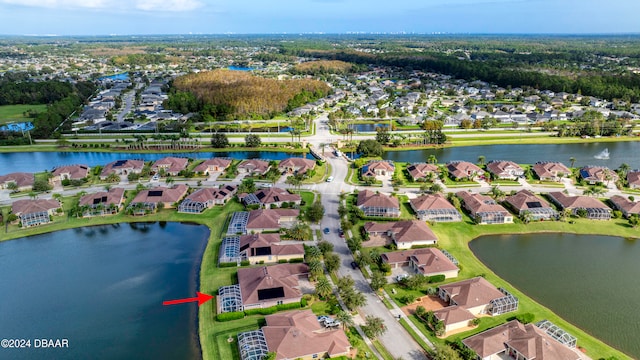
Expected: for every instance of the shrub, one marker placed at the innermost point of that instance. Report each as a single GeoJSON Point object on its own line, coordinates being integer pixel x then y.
{"type": "Point", "coordinates": [290, 306]}
{"type": "Point", "coordinates": [228, 316]}
{"type": "Point", "coordinates": [262, 311]}
{"type": "Point", "coordinates": [245, 263]}
{"type": "Point", "coordinates": [227, 264]}
{"type": "Point", "coordinates": [282, 261]}
{"type": "Point", "coordinates": [436, 278]}
{"type": "Point", "coordinates": [296, 260]}
{"type": "Point", "coordinates": [525, 318]}
{"type": "Point", "coordinates": [303, 302]}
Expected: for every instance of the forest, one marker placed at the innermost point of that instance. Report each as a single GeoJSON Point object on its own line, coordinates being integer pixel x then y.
{"type": "Point", "coordinates": [226, 94]}
{"type": "Point", "coordinates": [322, 67]}
{"type": "Point", "coordinates": [33, 93]}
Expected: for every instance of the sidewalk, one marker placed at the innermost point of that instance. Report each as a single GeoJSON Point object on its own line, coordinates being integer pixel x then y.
{"type": "Point", "coordinates": [398, 313]}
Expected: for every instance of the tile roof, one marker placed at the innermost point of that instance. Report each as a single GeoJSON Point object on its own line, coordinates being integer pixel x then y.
{"type": "Point", "coordinates": [546, 170]}
{"type": "Point", "coordinates": [75, 172]}
{"type": "Point", "coordinates": [431, 202]}
{"type": "Point", "coordinates": [285, 276]}
{"type": "Point", "coordinates": [301, 165]}
{"type": "Point", "coordinates": [161, 194]}
{"type": "Point", "coordinates": [275, 195]}
{"type": "Point", "coordinates": [268, 218]}
{"type": "Point", "coordinates": [170, 164]}
{"type": "Point", "coordinates": [221, 163]}
{"type": "Point", "coordinates": [420, 170]}
{"type": "Point", "coordinates": [254, 165]}
{"type": "Point", "coordinates": [209, 194]}
{"type": "Point", "coordinates": [22, 207]}
{"type": "Point", "coordinates": [472, 292]}
{"type": "Point", "coordinates": [368, 198]}
{"type": "Point", "coordinates": [113, 196]}
{"type": "Point", "coordinates": [525, 199]}
{"type": "Point", "coordinates": [463, 169]}
{"type": "Point", "coordinates": [477, 203]}
{"type": "Point", "coordinates": [453, 314]}
{"type": "Point", "coordinates": [623, 203]}
{"type": "Point", "coordinates": [272, 241]}
{"type": "Point", "coordinates": [122, 164]}
{"type": "Point", "coordinates": [404, 231]}
{"type": "Point", "coordinates": [574, 202]}
{"type": "Point", "coordinates": [20, 178]}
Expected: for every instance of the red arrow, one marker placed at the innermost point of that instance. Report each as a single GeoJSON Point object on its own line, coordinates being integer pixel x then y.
{"type": "Point", "coordinates": [201, 299]}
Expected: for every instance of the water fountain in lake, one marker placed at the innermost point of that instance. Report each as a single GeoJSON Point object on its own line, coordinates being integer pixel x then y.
{"type": "Point", "coordinates": [604, 155]}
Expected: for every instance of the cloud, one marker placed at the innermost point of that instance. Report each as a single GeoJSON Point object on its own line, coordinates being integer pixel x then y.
{"type": "Point", "coordinates": [143, 5]}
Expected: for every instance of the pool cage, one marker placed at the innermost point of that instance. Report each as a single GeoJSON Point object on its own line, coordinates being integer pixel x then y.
{"type": "Point", "coordinates": [33, 219]}
{"type": "Point", "coordinates": [490, 217]}
{"type": "Point", "coordinates": [504, 304]}
{"type": "Point", "coordinates": [557, 333]}
{"type": "Point", "coordinates": [450, 257]}
{"type": "Point", "coordinates": [230, 250]}
{"type": "Point", "coordinates": [252, 345]}
{"type": "Point", "coordinates": [230, 298]}
{"type": "Point", "coordinates": [238, 223]}
{"type": "Point", "coordinates": [440, 215]}
{"type": "Point", "coordinates": [380, 211]}
{"type": "Point", "coordinates": [191, 206]}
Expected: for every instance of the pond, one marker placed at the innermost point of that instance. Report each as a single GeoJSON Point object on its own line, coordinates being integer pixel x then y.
{"type": "Point", "coordinates": [40, 161]}
{"type": "Point", "coordinates": [102, 289]}
{"type": "Point", "coordinates": [592, 281]}
{"type": "Point", "coordinates": [368, 127]}
{"type": "Point", "coordinates": [585, 154]}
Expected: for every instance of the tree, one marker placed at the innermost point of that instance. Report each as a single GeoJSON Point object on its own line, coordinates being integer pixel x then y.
{"type": "Point", "coordinates": [252, 140]}
{"type": "Point", "coordinates": [623, 170]}
{"type": "Point", "coordinates": [294, 180]}
{"type": "Point", "coordinates": [445, 352]}
{"type": "Point", "coordinates": [247, 186]}
{"type": "Point", "coordinates": [323, 287]}
{"type": "Point", "coordinates": [572, 160]}
{"type": "Point", "coordinates": [315, 212]}
{"type": "Point", "coordinates": [634, 220]}
{"type": "Point", "coordinates": [382, 135]}
{"type": "Point", "coordinates": [369, 148]}
{"type": "Point", "coordinates": [378, 280]}
{"type": "Point", "coordinates": [432, 159]}
{"type": "Point", "coordinates": [271, 355]}
{"type": "Point", "coordinates": [496, 193]}
{"type": "Point", "coordinates": [325, 247]}
{"type": "Point", "coordinates": [481, 160]}
{"type": "Point", "coordinates": [312, 253]}
{"type": "Point", "coordinates": [332, 262]}
{"type": "Point", "coordinates": [41, 185]}
{"type": "Point", "coordinates": [13, 186]}
{"type": "Point", "coordinates": [435, 188]}
{"type": "Point", "coordinates": [345, 318]}
{"type": "Point", "coordinates": [315, 269]}
{"type": "Point", "coordinates": [374, 326]}
{"type": "Point", "coordinates": [219, 140]}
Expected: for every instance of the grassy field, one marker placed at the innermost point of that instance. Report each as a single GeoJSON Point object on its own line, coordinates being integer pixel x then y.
{"type": "Point", "coordinates": [15, 113]}
{"type": "Point", "coordinates": [454, 237]}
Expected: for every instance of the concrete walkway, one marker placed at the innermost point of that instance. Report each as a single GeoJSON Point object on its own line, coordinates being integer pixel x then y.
{"type": "Point", "coordinates": [397, 312]}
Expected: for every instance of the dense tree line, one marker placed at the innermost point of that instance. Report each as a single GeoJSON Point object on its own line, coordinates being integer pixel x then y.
{"type": "Point", "coordinates": [32, 93]}
{"type": "Point", "coordinates": [607, 86]}
{"type": "Point", "coordinates": [322, 67]}
{"type": "Point", "coordinates": [138, 59]}
{"type": "Point", "coordinates": [224, 94]}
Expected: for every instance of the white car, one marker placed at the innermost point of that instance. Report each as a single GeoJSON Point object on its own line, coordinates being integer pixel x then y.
{"type": "Point", "coordinates": [330, 179]}
{"type": "Point", "coordinates": [155, 177]}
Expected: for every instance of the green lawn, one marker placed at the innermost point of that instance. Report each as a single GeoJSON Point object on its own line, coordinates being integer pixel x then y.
{"type": "Point", "coordinates": [15, 113]}
{"type": "Point", "coordinates": [454, 237]}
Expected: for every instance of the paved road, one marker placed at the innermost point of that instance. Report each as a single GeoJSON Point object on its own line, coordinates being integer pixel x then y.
{"type": "Point", "coordinates": [128, 105]}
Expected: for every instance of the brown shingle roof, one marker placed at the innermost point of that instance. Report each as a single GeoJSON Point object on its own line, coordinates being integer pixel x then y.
{"type": "Point", "coordinates": [106, 198]}
{"type": "Point", "coordinates": [170, 164]}
{"type": "Point", "coordinates": [525, 199]}
{"type": "Point", "coordinates": [301, 165]}
{"type": "Point", "coordinates": [576, 202]}
{"type": "Point", "coordinates": [268, 218]}
{"type": "Point", "coordinates": [628, 206]}
{"type": "Point", "coordinates": [546, 170]}
{"type": "Point", "coordinates": [367, 198]}
{"type": "Point", "coordinates": [298, 334]}
{"type": "Point", "coordinates": [453, 314]}
{"type": "Point", "coordinates": [472, 292]}
{"type": "Point", "coordinates": [122, 164]}
{"type": "Point", "coordinates": [161, 194]}
{"type": "Point", "coordinates": [284, 276]}
{"type": "Point", "coordinates": [75, 172]}
{"type": "Point", "coordinates": [20, 178]}
{"type": "Point", "coordinates": [254, 166]}
{"type": "Point", "coordinates": [219, 163]}
{"type": "Point", "coordinates": [529, 340]}
{"type": "Point", "coordinates": [431, 202]}
{"type": "Point", "coordinates": [274, 195]}
{"type": "Point", "coordinates": [420, 170]}
{"type": "Point", "coordinates": [23, 207]}
{"type": "Point", "coordinates": [209, 194]}
{"type": "Point", "coordinates": [407, 231]}
{"type": "Point", "coordinates": [477, 203]}
{"type": "Point", "coordinates": [272, 241]}
{"type": "Point", "coordinates": [463, 169]}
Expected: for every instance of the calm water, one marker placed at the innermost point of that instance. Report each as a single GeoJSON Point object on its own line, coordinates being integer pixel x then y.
{"type": "Point", "coordinates": [102, 288]}
{"type": "Point", "coordinates": [368, 127]}
{"type": "Point", "coordinates": [40, 161]}
{"type": "Point", "coordinates": [589, 280]}
{"type": "Point", "coordinates": [621, 152]}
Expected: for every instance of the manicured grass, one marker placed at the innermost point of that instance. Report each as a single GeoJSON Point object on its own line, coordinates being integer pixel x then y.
{"type": "Point", "coordinates": [381, 349]}
{"type": "Point", "coordinates": [321, 172]}
{"type": "Point", "coordinates": [15, 113]}
{"type": "Point", "coordinates": [504, 182]}
{"type": "Point", "coordinates": [454, 237]}
{"type": "Point", "coordinates": [414, 335]}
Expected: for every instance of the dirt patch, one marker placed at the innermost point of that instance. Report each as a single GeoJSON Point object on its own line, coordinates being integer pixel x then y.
{"type": "Point", "coordinates": [429, 303]}
{"type": "Point", "coordinates": [377, 240]}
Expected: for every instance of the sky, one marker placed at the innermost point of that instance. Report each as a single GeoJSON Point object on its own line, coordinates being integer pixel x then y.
{"type": "Point", "coordinates": [127, 17]}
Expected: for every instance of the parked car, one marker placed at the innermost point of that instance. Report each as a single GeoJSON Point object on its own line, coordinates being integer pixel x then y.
{"type": "Point", "coordinates": [330, 179]}
{"type": "Point", "coordinates": [354, 265]}
{"type": "Point", "coordinates": [341, 233]}
{"type": "Point", "coordinates": [326, 230]}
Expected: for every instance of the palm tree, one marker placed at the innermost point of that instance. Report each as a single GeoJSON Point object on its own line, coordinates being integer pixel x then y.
{"type": "Point", "coordinates": [312, 253]}
{"type": "Point", "coordinates": [345, 318]}
{"type": "Point", "coordinates": [323, 287]}
{"type": "Point", "coordinates": [623, 170]}
{"type": "Point", "coordinates": [170, 180]}
{"type": "Point", "coordinates": [481, 160]}
{"type": "Point", "coordinates": [496, 193]}
{"type": "Point", "coordinates": [436, 188]}
{"type": "Point", "coordinates": [315, 268]}
{"type": "Point", "coordinates": [572, 160]}
{"type": "Point", "coordinates": [432, 159]}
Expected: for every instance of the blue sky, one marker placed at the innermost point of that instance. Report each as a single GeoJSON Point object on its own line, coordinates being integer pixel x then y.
{"type": "Point", "coordinates": [103, 17]}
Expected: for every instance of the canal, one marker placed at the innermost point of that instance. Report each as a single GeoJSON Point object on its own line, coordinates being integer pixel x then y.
{"type": "Point", "coordinates": [592, 281]}
{"type": "Point", "coordinates": [102, 289]}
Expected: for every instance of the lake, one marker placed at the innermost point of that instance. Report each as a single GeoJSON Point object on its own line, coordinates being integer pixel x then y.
{"type": "Point", "coordinates": [368, 127]}
{"type": "Point", "coordinates": [102, 289]}
{"type": "Point", "coordinates": [40, 161]}
{"type": "Point", "coordinates": [591, 281]}
{"type": "Point", "coordinates": [620, 152]}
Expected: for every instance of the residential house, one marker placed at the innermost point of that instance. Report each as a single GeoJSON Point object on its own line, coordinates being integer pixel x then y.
{"type": "Point", "coordinates": [503, 169]}
{"type": "Point", "coordinates": [551, 171]}
{"type": "Point", "coordinates": [296, 165]}
{"type": "Point", "coordinates": [526, 202]}
{"type": "Point", "coordinates": [515, 340]}
{"type": "Point", "coordinates": [35, 212]}
{"type": "Point", "coordinates": [625, 205]}
{"type": "Point", "coordinates": [378, 204]}
{"type": "Point", "coordinates": [122, 167]}
{"type": "Point", "coordinates": [206, 198]}
{"type": "Point", "coordinates": [272, 196]}
{"type": "Point", "coordinates": [69, 172]}
{"type": "Point", "coordinates": [404, 234]}
{"type": "Point", "coordinates": [483, 209]}
{"type": "Point", "coordinates": [102, 203]}
{"type": "Point", "coordinates": [425, 261]}
{"type": "Point", "coordinates": [633, 177]}
{"type": "Point", "coordinates": [434, 208]}
{"type": "Point", "coordinates": [253, 167]}
{"type": "Point", "coordinates": [270, 219]}
{"type": "Point", "coordinates": [23, 181]}
{"type": "Point", "coordinates": [294, 335]}
{"type": "Point", "coordinates": [422, 171]}
{"type": "Point", "coordinates": [463, 170]}
{"type": "Point", "coordinates": [378, 169]}
{"type": "Point", "coordinates": [159, 197]}
{"type": "Point", "coordinates": [267, 286]}
{"type": "Point", "coordinates": [595, 209]}
{"type": "Point", "coordinates": [598, 174]}
{"type": "Point", "coordinates": [170, 165]}
{"type": "Point", "coordinates": [268, 248]}
{"type": "Point", "coordinates": [212, 165]}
